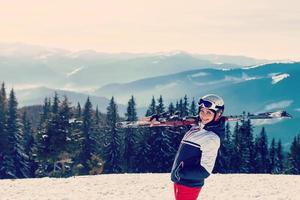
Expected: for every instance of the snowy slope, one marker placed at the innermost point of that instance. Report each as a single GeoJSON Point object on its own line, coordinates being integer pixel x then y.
{"type": "Point", "coordinates": [151, 187]}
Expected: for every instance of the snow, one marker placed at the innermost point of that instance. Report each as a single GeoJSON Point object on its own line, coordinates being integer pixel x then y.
{"type": "Point", "coordinates": [199, 74]}
{"type": "Point", "coordinates": [279, 62]}
{"type": "Point", "coordinates": [151, 187]}
{"type": "Point", "coordinates": [280, 77]}
{"type": "Point", "coordinates": [255, 66]}
{"type": "Point", "coordinates": [167, 86]}
{"type": "Point", "coordinates": [75, 71]}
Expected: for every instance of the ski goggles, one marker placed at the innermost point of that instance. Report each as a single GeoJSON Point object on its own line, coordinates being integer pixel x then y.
{"type": "Point", "coordinates": [209, 105]}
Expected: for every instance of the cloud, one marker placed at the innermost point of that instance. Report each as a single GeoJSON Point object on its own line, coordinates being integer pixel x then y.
{"type": "Point", "coordinates": [279, 105]}
{"type": "Point", "coordinates": [260, 122]}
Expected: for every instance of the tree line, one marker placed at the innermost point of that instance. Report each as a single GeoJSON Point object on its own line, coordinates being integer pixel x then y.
{"type": "Point", "coordinates": [74, 140]}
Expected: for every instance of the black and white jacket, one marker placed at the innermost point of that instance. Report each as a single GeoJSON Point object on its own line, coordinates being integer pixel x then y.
{"type": "Point", "coordinates": [196, 156]}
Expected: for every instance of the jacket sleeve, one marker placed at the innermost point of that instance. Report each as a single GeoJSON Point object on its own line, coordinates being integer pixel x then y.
{"type": "Point", "coordinates": [209, 153]}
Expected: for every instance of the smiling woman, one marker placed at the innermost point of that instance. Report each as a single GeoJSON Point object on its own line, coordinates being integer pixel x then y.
{"type": "Point", "coordinates": [196, 156]}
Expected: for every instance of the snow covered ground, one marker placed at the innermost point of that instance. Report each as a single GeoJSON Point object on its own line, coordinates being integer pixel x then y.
{"type": "Point", "coordinates": [151, 187]}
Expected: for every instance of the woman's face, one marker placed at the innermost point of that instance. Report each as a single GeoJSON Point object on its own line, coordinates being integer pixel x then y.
{"type": "Point", "coordinates": [206, 115]}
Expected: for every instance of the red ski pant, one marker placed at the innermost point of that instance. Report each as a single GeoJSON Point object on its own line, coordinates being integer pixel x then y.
{"type": "Point", "coordinates": [186, 193]}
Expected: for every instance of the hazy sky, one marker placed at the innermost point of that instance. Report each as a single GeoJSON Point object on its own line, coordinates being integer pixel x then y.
{"type": "Point", "coordinates": [258, 28]}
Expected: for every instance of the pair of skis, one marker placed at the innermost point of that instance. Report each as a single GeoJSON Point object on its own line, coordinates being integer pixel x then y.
{"type": "Point", "coordinates": [168, 120]}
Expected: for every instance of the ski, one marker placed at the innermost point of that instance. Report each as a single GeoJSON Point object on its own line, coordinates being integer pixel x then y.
{"type": "Point", "coordinates": [168, 120]}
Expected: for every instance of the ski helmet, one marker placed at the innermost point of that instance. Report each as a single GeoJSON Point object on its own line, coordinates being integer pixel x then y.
{"type": "Point", "coordinates": [212, 102]}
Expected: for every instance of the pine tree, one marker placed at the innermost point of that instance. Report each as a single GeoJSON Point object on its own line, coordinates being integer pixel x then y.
{"type": "Point", "coordinates": [160, 108]}
{"type": "Point", "coordinates": [177, 108]}
{"type": "Point", "coordinates": [236, 158]}
{"type": "Point", "coordinates": [46, 110]}
{"type": "Point", "coordinates": [86, 152]}
{"type": "Point", "coordinates": [152, 108]}
{"type": "Point", "coordinates": [42, 145]}
{"type": "Point", "coordinates": [223, 164]}
{"type": "Point", "coordinates": [246, 147]}
{"type": "Point", "coordinates": [131, 138]}
{"type": "Point", "coordinates": [185, 106]}
{"type": "Point", "coordinates": [273, 157]}
{"type": "Point", "coordinates": [181, 108]}
{"type": "Point", "coordinates": [78, 111]}
{"type": "Point", "coordinates": [19, 166]}
{"type": "Point", "coordinates": [279, 166]}
{"type": "Point", "coordinates": [97, 116]}
{"type": "Point", "coordinates": [144, 161]}
{"type": "Point", "coordinates": [294, 156]}
{"type": "Point", "coordinates": [193, 108]}
{"type": "Point", "coordinates": [4, 148]}
{"type": "Point", "coordinates": [112, 140]}
{"type": "Point", "coordinates": [55, 105]}
{"type": "Point", "coordinates": [29, 144]}
{"type": "Point", "coordinates": [262, 155]}
{"type": "Point", "coordinates": [162, 150]}
{"type": "Point", "coordinates": [171, 108]}
{"type": "Point", "coordinates": [52, 138]}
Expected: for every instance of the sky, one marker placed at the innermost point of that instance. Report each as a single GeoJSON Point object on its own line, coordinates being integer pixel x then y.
{"type": "Point", "coordinates": [268, 29]}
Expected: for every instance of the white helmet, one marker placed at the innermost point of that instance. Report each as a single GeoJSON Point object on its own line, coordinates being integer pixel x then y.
{"type": "Point", "coordinates": [212, 102]}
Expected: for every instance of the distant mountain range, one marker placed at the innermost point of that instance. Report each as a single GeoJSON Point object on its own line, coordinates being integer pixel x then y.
{"type": "Point", "coordinates": [31, 66]}
{"type": "Point", "coordinates": [253, 89]}
{"type": "Point", "coordinates": [246, 84]}
{"type": "Point", "coordinates": [36, 96]}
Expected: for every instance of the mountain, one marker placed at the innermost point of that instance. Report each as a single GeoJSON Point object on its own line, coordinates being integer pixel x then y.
{"type": "Point", "coordinates": [25, 65]}
{"type": "Point", "coordinates": [36, 96]}
{"type": "Point", "coordinates": [253, 89]}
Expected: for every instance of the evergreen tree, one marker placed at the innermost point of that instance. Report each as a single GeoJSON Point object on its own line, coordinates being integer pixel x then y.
{"type": "Point", "coordinates": [112, 140]}
{"type": "Point", "coordinates": [193, 108]}
{"type": "Point", "coordinates": [46, 110]}
{"type": "Point", "coordinates": [294, 156]}
{"type": "Point", "coordinates": [262, 155]}
{"type": "Point", "coordinates": [171, 108]}
{"type": "Point", "coordinates": [19, 166]}
{"type": "Point", "coordinates": [160, 108]}
{"type": "Point", "coordinates": [42, 145]}
{"type": "Point", "coordinates": [236, 158]}
{"type": "Point", "coordinates": [181, 108]}
{"type": "Point", "coordinates": [223, 164]}
{"type": "Point", "coordinates": [86, 152]}
{"type": "Point", "coordinates": [279, 167]}
{"type": "Point", "coordinates": [4, 148]}
{"type": "Point", "coordinates": [29, 144]}
{"type": "Point", "coordinates": [97, 116]}
{"type": "Point", "coordinates": [55, 105]}
{"type": "Point", "coordinates": [162, 150]}
{"type": "Point", "coordinates": [144, 161]}
{"type": "Point", "coordinates": [131, 138]}
{"type": "Point", "coordinates": [78, 111]}
{"type": "Point", "coordinates": [273, 157]}
{"type": "Point", "coordinates": [246, 147]}
{"type": "Point", "coordinates": [177, 108]}
{"type": "Point", "coordinates": [52, 138]}
{"type": "Point", "coordinates": [152, 108]}
{"type": "Point", "coordinates": [185, 106]}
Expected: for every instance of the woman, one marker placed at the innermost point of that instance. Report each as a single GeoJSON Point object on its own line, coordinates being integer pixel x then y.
{"type": "Point", "coordinates": [196, 156]}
